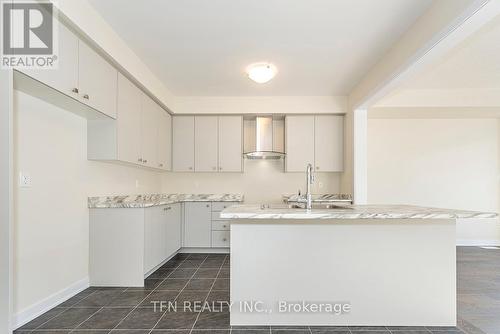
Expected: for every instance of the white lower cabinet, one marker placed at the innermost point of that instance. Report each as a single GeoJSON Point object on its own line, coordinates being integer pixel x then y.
{"type": "Point", "coordinates": [203, 227]}
{"type": "Point", "coordinates": [197, 221]}
{"type": "Point", "coordinates": [126, 244]}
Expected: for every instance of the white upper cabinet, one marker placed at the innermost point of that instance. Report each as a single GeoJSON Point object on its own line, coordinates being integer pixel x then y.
{"type": "Point", "coordinates": [299, 142]}
{"type": "Point", "coordinates": [205, 147]}
{"type": "Point", "coordinates": [149, 132]}
{"type": "Point", "coordinates": [97, 81]}
{"type": "Point", "coordinates": [183, 143]}
{"type": "Point", "coordinates": [164, 139]}
{"type": "Point", "coordinates": [318, 140]}
{"type": "Point", "coordinates": [65, 77]}
{"type": "Point", "coordinates": [329, 143]}
{"type": "Point", "coordinates": [128, 121]}
{"type": "Point", "coordinates": [230, 143]}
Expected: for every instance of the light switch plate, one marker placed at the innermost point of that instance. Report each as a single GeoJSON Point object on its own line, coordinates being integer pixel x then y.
{"type": "Point", "coordinates": [24, 180]}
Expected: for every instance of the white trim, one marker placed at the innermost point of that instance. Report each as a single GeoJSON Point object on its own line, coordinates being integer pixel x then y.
{"type": "Point", "coordinates": [478, 243]}
{"type": "Point", "coordinates": [48, 303]}
{"type": "Point", "coordinates": [161, 264]}
{"type": "Point", "coordinates": [207, 250]}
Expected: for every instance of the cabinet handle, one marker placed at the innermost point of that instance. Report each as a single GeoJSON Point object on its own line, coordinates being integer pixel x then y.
{"type": "Point", "coordinates": [145, 161]}
{"type": "Point", "coordinates": [75, 90]}
{"type": "Point", "coordinates": [224, 239]}
{"type": "Point", "coordinates": [140, 159]}
{"type": "Point", "coordinates": [86, 96]}
{"type": "Point", "coordinates": [220, 168]}
{"type": "Point", "coordinates": [190, 168]}
{"type": "Point", "coordinates": [224, 226]}
{"type": "Point", "coordinates": [317, 167]}
{"type": "Point", "coordinates": [161, 165]}
{"type": "Point", "coordinates": [208, 205]}
{"type": "Point", "coordinates": [167, 208]}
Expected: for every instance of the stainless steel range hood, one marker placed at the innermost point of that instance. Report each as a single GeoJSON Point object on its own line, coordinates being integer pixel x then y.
{"type": "Point", "coordinates": [264, 138]}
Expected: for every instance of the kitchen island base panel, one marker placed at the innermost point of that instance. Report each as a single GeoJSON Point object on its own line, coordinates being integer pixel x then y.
{"type": "Point", "coordinates": [398, 272]}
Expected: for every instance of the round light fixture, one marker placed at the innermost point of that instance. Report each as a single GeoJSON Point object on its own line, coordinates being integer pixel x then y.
{"type": "Point", "coordinates": [261, 72]}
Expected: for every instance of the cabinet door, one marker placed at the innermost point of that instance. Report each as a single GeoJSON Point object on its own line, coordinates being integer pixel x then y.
{"type": "Point", "coordinates": [183, 143]}
{"type": "Point", "coordinates": [197, 224]}
{"type": "Point", "coordinates": [230, 144]}
{"type": "Point", "coordinates": [164, 139]}
{"type": "Point", "coordinates": [155, 237]}
{"type": "Point", "coordinates": [329, 143]}
{"type": "Point", "coordinates": [65, 77]}
{"type": "Point", "coordinates": [128, 121]}
{"type": "Point", "coordinates": [205, 147]}
{"type": "Point", "coordinates": [299, 142]}
{"type": "Point", "coordinates": [173, 243]}
{"type": "Point", "coordinates": [97, 81]}
{"type": "Point", "coordinates": [149, 132]}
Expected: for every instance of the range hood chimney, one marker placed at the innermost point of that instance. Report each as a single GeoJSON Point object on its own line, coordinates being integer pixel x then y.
{"type": "Point", "coordinates": [264, 138]}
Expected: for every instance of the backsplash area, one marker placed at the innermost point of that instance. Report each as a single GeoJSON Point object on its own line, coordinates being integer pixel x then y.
{"type": "Point", "coordinates": [263, 181]}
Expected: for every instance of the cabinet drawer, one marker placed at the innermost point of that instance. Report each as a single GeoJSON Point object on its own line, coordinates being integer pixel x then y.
{"type": "Point", "coordinates": [220, 238]}
{"type": "Point", "coordinates": [220, 225]}
{"type": "Point", "coordinates": [219, 206]}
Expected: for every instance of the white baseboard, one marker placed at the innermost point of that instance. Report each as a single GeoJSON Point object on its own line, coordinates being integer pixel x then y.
{"type": "Point", "coordinates": [478, 243]}
{"type": "Point", "coordinates": [221, 250]}
{"type": "Point", "coordinates": [48, 303]}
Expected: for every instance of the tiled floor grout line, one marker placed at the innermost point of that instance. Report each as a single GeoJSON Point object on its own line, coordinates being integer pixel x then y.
{"type": "Point", "coordinates": [163, 315]}
{"type": "Point", "coordinates": [71, 330]}
{"type": "Point", "coordinates": [90, 294]}
{"type": "Point", "coordinates": [206, 298]}
{"type": "Point", "coordinates": [149, 294]}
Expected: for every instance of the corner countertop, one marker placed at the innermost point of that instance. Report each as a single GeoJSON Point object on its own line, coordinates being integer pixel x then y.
{"type": "Point", "coordinates": [146, 201]}
{"type": "Point", "coordinates": [349, 212]}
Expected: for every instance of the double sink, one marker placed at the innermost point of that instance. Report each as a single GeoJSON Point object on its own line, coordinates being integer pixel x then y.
{"type": "Point", "coordinates": [315, 206]}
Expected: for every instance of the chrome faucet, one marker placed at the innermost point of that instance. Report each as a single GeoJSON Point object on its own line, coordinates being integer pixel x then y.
{"type": "Point", "coordinates": [309, 181]}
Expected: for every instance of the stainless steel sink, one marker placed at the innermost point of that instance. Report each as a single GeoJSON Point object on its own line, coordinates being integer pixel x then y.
{"type": "Point", "coordinates": [301, 206]}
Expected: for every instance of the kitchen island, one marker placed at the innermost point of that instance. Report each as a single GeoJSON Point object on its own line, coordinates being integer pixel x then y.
{"type": "Point", "coordinates": [358, 265]}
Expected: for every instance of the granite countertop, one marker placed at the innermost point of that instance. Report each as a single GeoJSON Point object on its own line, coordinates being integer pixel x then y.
{"type": "Point", "coordinates": [146, 201]}
{"type": "Point", "coordinates": [349, 212]}
{"type": "Point", "coordinates": [318, 198]}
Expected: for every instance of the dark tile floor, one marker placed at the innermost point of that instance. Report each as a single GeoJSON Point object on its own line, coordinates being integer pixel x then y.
{"type": "Point", "coordinates": [201, 277]}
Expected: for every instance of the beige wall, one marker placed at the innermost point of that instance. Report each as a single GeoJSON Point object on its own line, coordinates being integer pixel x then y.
{"type": "Point", "coordinates": [449, 163]}
{"type": "Point", "coordinates": [51, 217]}
{"type": "Point", "coordinates": [262, 182]}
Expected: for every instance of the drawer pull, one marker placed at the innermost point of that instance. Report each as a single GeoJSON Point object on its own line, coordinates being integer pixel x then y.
{"type": "Point", "coordinates": [167, 208]}
{"type": "Point", "coordinates": [224, 239]}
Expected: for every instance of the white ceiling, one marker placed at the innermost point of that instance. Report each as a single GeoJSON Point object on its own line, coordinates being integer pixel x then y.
{"type": "Point", "coordinates": [473, 64]}
{"type": "Point", "coordinates": [201, 48]}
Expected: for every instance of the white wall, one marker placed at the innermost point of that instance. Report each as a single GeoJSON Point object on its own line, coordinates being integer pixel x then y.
{"type": "Point", "coordinates": [449, 163]}
{"type": "Point", "coordinates": [5, 199]}
{"type": "Point", "coordinates": [51, 217]}
{"type": "Point", "coordinates": [260, 104]}
{"type": "Point", "coordinates": [262, 182]}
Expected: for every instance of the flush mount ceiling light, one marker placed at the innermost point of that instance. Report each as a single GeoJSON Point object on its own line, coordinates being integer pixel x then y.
{"type": "Point", "coordinates": [261, 72]}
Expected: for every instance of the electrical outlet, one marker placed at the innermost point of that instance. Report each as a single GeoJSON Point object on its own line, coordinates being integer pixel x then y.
{"type": "Point", "coordinates": [24, 180]}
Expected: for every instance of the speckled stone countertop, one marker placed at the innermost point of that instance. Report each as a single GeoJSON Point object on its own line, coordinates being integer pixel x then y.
{"type": "Point", "coordinates": [145, 201]}
{"type": "Point", "coordinates": [318, 198]}
{"type": "Point", "coordinates": [349, 212]}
